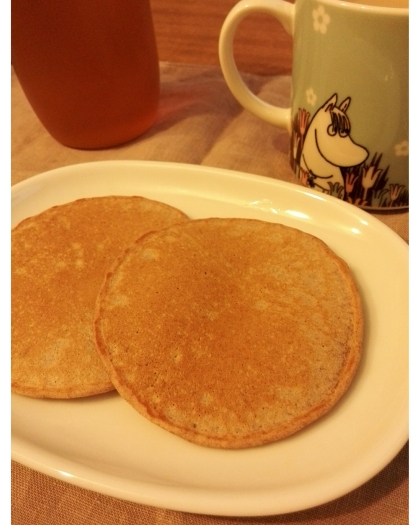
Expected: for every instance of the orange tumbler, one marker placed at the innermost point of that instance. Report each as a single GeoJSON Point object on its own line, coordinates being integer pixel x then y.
{"type": "Point", "coordinates": [89, 68]}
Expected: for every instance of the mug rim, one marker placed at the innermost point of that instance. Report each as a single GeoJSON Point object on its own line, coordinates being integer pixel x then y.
{"type": "Point", "coordinates": [402, 11]}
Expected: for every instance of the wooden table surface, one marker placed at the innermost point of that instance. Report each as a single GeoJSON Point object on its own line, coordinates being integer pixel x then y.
{"type": "Point", "coordinates": [188, 32]}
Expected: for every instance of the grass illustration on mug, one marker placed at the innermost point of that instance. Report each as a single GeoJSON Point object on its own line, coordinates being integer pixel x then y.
{"type": "Point", "coordinates": [326, 158]}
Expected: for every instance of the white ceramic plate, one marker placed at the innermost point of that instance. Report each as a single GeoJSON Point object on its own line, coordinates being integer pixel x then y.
{"type": "Point", "coordinates": [102, 444]}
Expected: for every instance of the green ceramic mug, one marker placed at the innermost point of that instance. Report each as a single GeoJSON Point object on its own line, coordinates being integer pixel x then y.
{"type": "Point", "coordinates": [348, 119]}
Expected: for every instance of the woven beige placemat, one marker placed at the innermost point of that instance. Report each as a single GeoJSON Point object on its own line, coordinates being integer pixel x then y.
{"type": "Point", "coordinates": [199, 122]}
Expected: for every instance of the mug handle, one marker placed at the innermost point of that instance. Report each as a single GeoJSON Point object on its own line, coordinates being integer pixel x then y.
{"type": "Point", "coordinates": [284, 12]}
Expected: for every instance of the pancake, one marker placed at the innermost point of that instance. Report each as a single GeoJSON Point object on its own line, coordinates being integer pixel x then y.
{"type": "Point", "coordinates": [230, 333]}
{"type": "Point", "coordinates": [59, 259]}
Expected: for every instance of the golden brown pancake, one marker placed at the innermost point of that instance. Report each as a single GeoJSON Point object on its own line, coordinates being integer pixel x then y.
{"type": "Point", "coordinates": [59, 259]}
{"type": "Point", "coordinates": [230, 333]}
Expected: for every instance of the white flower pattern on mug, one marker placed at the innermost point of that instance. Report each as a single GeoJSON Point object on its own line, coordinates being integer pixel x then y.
{"type": "Point", "coordinates": [311, 97]}
{"type": "Point", "coordinates": [401, 149]}
{"type": "Point", "coordinates": [321, 19]}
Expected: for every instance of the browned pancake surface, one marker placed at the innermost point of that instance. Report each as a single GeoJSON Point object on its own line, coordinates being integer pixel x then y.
{"type": "Point", "coordinates": [230, 332]}
{"type": "Point", "coordinates": [59, 260]}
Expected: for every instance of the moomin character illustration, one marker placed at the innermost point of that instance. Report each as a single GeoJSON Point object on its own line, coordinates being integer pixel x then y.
{"type": "Point", "coordinates": [327, 146]}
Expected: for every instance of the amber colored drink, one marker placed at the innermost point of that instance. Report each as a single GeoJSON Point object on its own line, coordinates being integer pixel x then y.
{"type": "Point", "coordinates": [89, 68]}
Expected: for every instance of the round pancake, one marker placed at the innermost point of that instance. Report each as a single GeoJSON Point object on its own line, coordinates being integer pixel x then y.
{"type": "Point", "coordinates": [230, 333]}
{"type": "Point", "coordinates": [59, 260]}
